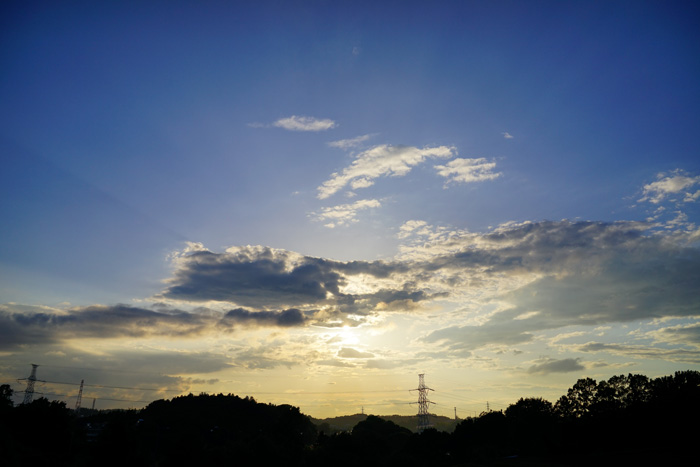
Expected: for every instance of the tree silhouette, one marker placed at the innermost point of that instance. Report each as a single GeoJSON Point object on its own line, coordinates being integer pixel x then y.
{"type": "Point", "coordinates": [6, 396]}
{"type": "Point", "coordinates": [579, 399]}
{"type": "Point", "coordinates": [624, 420]}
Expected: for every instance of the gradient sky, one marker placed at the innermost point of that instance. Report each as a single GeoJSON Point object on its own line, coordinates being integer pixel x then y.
{"type": "Point", "coordinates": [313, 202]}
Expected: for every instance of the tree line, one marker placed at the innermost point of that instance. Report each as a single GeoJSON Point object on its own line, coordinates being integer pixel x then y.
{"type": "Point", "coordinates": [623, 420]}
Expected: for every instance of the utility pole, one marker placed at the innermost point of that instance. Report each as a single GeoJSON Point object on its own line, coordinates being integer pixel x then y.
{"type": "Point", "coordinates": [423, 404]}
{"type": "Point", "coordinates": [29, 392]}
{"type": "Point", "coordinates": [456, 414]}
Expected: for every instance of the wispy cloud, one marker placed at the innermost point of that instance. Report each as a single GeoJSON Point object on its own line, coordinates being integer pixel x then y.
{"type": "Point", "coordinates": [297, 123]}
{"type": "Point", "coordinates": [468, 170]}
{"type": "Point", "coordinates": [686, 334]}
{"type": "Point", "coordinates": [344, 214]}
{"type": "Point", "coordinates": [507, 135]}
{"type": "Point", "coordinates": [350, 142]}
{"type": "Point", "coordinates": [675, 183]}
{"type": "Point", "coordinates": [383, 160]}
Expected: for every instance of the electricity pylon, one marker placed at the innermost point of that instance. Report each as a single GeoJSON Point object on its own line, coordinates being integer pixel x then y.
{"type": "Point", "coordinates": [423, 404]}
{"type": "Point", "coordinates": [29, 392]}
{"type": "Point", "coordinates": [80, 396]}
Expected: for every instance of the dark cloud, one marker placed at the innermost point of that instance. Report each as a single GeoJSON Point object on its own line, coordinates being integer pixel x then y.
{"type": "Point", "coordinates": [547, 246]}
{"type": "Point", "coordinates": [263, 278]}
{"type": "Point", "coordinates": [286, 318]}
{"type": "Point", "coordinates": [566, 365]}
{"type": "Point", "coordinates": [583, 274]}
{"type": "Point", "coordinates": [254, 277]}
{"type": "Point", "coordinates": [643, 352]}
{"type": "Point", "coordinates": [461, 338]}
{"type": "Point", "coordinates": [95, 321]}
{"type": "Point", "coordinates": [37, 326]}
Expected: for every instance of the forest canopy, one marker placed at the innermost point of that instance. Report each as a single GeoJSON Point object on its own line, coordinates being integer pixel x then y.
{"type": "Point", "coordinates": [632, 417]}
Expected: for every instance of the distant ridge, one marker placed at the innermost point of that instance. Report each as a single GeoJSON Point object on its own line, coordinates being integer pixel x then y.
{"type": "Point", "coordinates": [347, 422]}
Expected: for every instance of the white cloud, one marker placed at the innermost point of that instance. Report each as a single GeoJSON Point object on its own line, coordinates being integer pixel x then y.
{"type": "Point", "coordinates": [468, 170]}
{"type": "Point", "coordinates": [350, 142]}
{"type": "Point", "coordinates": [383, 160]}
{"type": "Point", "coordinates": [344, 214]}
{"type": "Point", "coordinates": [296, 123]}
{"type": "Point", "coordinates": [507, 135]}
{"type": "Point", "coordinates": [675, 183]}
{"type": "Point", "coordinates": [411, 227]}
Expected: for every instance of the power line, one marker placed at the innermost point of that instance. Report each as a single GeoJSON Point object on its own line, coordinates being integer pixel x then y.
{"type": "Point", "coordinates": [103, 386]}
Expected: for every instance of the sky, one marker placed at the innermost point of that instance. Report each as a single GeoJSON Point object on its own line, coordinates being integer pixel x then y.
{"type": "Point", "coordinates": [314, 202]}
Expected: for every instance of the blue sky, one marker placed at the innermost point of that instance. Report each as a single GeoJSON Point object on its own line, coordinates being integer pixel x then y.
{"type": "Point", "coordinates": [503, 195]}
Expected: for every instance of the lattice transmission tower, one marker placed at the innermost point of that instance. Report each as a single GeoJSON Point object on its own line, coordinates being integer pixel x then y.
{"type": "Point", "coordinates": [29, 392]}
{"type": "Point", "coordinates": [80, 396]}
{"type": "Point", "coordinates": [423, 404]}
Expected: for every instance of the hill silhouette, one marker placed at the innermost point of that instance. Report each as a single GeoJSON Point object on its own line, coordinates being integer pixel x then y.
{"type": "Point", "coordinates": [342, 423]}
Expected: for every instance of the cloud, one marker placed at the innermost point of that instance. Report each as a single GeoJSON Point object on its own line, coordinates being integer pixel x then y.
{"type": "Point", "coordinates": [383, 160]}
{"type": "Point", "coordinates": [286, 318]}
{"type": "Point", "coordinates": [267, 279]}
{"type": "Point", "coordinates": [344, 214]}
{"type": "Point", "coordinates": [387, 364]}
{"type": "Point", "coordinates": [335, 363]}
{"type": "Point", "coordinates": [347, 352]}
{"type": "Point", "coordinates": [349, 143]}
{"type": "Point", "coordinates": [256, 277]}
{"type": "Point", "coordinates": [411, 227]}
{"type": "Point", "coordinates": [262, 357]}
{"type": "Point", "coordinates": [507, 135]}
{"type": "Point", "coordinates": [515, 282]}
{"type": "Point", "coordinates": [550, 275]}
{"type": "Point", "coordinates": [549, 365]}
{"type": "Point", "coordinates": [41, 326]}
{"type": "Point", "coordinates": [677, 182]}
{"type": "Point", "coordinates": [523, 278]}
{"type": "Point", "coordinates": [38, 326]}
{"type": "Point", "coordinates": [468, 170]}
{"type": "Point", "coordinates": [685, 334]}
{"type": "Point", "coordinates": [646, 352]}
{"type": "Point", "coordinates": [296, 123]}
{"type": "Point", "coordinates": [466, 338]}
